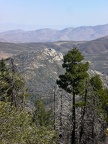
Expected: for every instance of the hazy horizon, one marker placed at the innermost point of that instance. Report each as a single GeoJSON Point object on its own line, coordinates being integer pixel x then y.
{"type": "Point", "coordinates": [34, 14]}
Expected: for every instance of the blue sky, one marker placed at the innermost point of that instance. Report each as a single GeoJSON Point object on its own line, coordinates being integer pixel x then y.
{"type": "Point", "coordinates": [58, 14]}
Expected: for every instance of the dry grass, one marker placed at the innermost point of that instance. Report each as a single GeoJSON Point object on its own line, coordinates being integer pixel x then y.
{"type": "Point", "coordinates": [4, 55]}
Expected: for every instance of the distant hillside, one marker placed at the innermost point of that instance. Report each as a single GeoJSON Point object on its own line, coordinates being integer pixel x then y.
{"type": "Point", "coordinates": [40, 70]}
{"type": "Point", "coordinates": [84, 33]}
{"type": "Point", "coordinates": [93, 47]}
{"type": "Point", "coordinates": [98, 62]}
{"type": "Point", "coordinates": [95, 51]}
{"type": "Point", "coordinates": [13, 49]}
{"type": "Point", "coordinates": [97, 46]}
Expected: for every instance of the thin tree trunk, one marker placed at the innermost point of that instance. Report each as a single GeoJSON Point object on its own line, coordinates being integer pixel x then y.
{"type": "Point", "coordinates": [13, 93]}
{"type": "Point", "coordinates": [73, 121]}
{"type": "Point", "coordinates": [61, 107]}
{"type": "Point", "coordinates": [54, 110]}
{"type": "Point", "coordinates": [82, 117]}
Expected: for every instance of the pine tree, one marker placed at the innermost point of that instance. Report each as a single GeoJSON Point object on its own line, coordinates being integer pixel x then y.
{"type": "Point", "coordinates": [94, 112]}
{"type": "Point", "coordinates": [4, 80]}
{"type": "Point", "coordinates": [73, 81]}
{"type": "Point", "coordinates": [12, 87]}
{"type": "Point", "coordinates": [41, 116]}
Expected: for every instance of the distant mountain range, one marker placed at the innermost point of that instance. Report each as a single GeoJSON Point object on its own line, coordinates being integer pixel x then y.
{"type": "Point", "coordinates": [94, 47]}
{"type": "Point", "coordinates": [84, 33]}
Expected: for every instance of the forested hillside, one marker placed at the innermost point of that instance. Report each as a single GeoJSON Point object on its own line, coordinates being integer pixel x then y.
{"type": "Point", "coordinates": [17, 124]}
{"type": "Point", "coordinates": [35, 110]}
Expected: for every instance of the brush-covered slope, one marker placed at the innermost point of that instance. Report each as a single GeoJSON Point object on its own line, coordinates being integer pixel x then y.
{"type": "Point", "coordinates": [40, 70]}
{"type": "Point", "coordinates": [97, 46]}
{"type": "Point", "coordinates": [13, 49]}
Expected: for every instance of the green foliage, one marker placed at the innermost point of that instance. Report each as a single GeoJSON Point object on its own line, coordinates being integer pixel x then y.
{"type": "Point", "coordinates": [81, 104]}
{"type": "Point", "coordinates": [16, 127]}
{"type": "Point", "coordinates": [12, 86]}
{"type": "Point", "coordinates": [96, 83]}
{"type": "Point", "coordinates": [13, 124]}
{"type": "Point", "coordinates": [73, 81]}
{"type": "Point", "coordinates": [100, 92]}
{"type": "Point", "coordinates": [103, 97]}
{"type": "Point", "coordinates": [76, 72]}
{"type": "Point", "coordinates": [4, 80]}
{"type": "Point", "coordinates": [41, 116]}
{"type": "Point", "coordinates": [3, 67]}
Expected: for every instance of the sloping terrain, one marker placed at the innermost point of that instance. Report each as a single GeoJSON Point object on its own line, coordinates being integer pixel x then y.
{"type": "Point", "coordinates": [84, 33]}
{"type": "Point", "coordinates": [97, 46]}
{"type": "Point", "coordinates": [40, 70]}
{"type": "Point", "coordinates": [95, 51]}
{"type": "Point", "coordinates": [93, 47]}
{"type": "Point", "coordinates": [13, 49]}
{"type": "Point", "coordinates": [98, 62]}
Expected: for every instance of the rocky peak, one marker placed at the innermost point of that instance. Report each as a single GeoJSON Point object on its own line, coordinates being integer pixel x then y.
{"type": "Point", "coordinates": [55, 56]}
{"type": "Point", "coordinates": [40, 70]}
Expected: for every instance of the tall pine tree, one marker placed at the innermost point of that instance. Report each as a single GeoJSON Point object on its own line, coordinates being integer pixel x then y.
{"type": "Point", "coordinates": [73, 81]}
{"type": "Point", "coordinates": [12, 87]}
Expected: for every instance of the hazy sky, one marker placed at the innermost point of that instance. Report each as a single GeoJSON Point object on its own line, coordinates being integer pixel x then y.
{"type": "Point", "coordinates": [33, 14]}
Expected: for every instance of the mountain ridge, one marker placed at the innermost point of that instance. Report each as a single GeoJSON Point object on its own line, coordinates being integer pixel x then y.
{"type": "Point", "coordinates": [83, 33]}
{"type": "Point", "coordinates": [94, 47]}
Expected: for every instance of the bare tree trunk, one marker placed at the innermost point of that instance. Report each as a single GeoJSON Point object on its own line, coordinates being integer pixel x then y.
{"type": "Point", "coordinates": [61, 107]}
{"type": "Point", "coordinates": [13, 93]}
{"type": "Point", "coordinates": [54, 110]}
{"type": "Point", "coordinates": [82, 117]}
{"type": "Point", "coordinates": [73, 121]}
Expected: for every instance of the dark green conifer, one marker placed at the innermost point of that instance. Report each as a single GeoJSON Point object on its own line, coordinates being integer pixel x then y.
{"type": "Point", "coordinates": [73, 81]}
